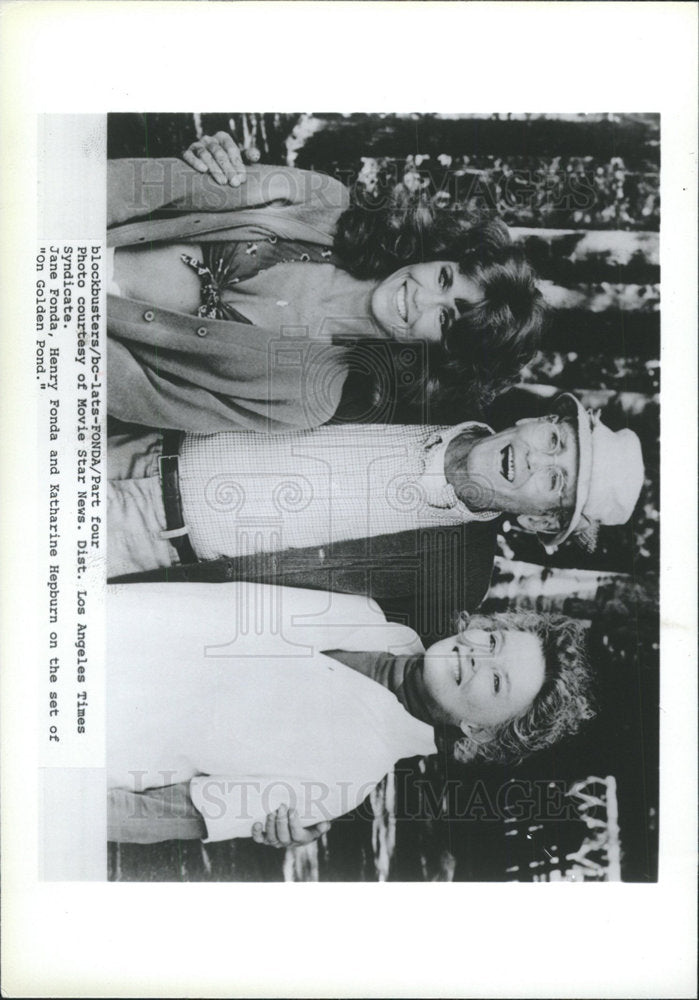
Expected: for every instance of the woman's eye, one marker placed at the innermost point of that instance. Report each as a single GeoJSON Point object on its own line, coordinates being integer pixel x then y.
{"type": "Point", "coordinates": [496, 683]}
{"type": "Point", "coordinates": [443, 320]}
{"type": "Point", "coordinates": [493, 642]}
{"type": "Point", "coordinates": [444, 278]}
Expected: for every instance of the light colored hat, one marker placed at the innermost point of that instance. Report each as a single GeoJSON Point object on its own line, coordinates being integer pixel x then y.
{"type": "Point", "coordinates": [610, 475]}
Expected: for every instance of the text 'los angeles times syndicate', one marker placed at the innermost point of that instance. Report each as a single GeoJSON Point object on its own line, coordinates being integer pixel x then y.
{"type": "Point", "coordinates": [70, 378]}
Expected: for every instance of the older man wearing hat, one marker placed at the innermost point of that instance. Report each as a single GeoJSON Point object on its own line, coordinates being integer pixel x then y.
{"type": "Point", "coordinates": [562, 475]}
{"type": "Point", "coordinates": [610, 476]}
{"type": "Point", "coordinates": [405, 514]}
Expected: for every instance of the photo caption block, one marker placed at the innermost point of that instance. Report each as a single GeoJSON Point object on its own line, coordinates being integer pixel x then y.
{"type": "Point", "coordinates": [70, 375]}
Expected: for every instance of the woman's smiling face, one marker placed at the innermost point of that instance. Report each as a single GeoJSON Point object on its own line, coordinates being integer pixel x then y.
{"type": "Point", "coordinates": [421, 301]}
{"type": "Point", "coordinates": [483, 678]}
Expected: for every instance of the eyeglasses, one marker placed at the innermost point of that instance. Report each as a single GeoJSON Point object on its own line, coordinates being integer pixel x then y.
{"type": "Point", "coordinates": [548, 438]}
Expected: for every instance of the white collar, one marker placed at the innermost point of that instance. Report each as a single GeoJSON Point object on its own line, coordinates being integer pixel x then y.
{"type": "Point", "coordinates": [439, 492]}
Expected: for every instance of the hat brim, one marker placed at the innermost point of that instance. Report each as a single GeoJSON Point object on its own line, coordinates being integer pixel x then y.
{"type": "Point", "coordinates": [566, 405]}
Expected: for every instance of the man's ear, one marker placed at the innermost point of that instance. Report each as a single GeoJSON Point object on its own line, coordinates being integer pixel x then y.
{"type": "Point", "coordinates": [538, 522]}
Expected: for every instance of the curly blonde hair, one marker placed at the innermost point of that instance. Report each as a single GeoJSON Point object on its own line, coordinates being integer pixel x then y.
{"type": "Point", "coordinates": [563, 703]}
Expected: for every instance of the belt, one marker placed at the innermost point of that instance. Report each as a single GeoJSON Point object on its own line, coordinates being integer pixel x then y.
{"type": "Point", "coordinates": [177, 531]}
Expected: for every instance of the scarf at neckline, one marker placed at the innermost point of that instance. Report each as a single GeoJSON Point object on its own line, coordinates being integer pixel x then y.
{"type": "Point", "coordinates": [400, 674]}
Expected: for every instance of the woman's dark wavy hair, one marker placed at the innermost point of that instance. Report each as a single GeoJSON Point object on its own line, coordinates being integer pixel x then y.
{"type": "Point", "coordinates": [560, 708]}
{"type": "Point", "coordinates": [488, 346]}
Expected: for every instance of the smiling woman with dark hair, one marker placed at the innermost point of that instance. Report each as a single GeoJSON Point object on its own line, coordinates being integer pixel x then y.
{"type": "Point", "coordinates": [478, 345]}
{"type": "Point", "coordinates": [239, 306]}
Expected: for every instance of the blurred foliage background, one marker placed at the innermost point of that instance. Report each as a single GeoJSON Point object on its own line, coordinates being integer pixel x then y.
{"type": "Point", "coordinates": [581, 193]}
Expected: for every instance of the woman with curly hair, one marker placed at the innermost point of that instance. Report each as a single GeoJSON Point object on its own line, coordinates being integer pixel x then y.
{"type": "Point", "coordinates": [562, 702]}
{"type": "Point", "coordinates": [215, 323]}
{"type": "Point", "coordinates": [212, 727]}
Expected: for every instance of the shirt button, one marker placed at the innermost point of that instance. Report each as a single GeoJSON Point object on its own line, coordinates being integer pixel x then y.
{"type": "Point", "coordinates": [202, 331]}
{"type": "Point", "coordinates": [149, 316]}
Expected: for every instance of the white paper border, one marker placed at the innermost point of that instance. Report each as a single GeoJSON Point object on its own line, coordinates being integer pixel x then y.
{"type": "Point", "coordinates": [380, 940]}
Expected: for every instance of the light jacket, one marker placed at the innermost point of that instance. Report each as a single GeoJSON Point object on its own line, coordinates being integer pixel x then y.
{"type": "Point", "coordinates": [227, 687]}
{"type": "Point", "coordinates": [171, 369]}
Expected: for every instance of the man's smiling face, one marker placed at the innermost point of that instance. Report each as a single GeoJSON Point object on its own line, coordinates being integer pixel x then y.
{"type": "Point", "coordinates": [529, 470]}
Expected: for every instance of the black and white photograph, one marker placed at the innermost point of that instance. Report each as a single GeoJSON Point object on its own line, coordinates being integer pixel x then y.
{"type": "Point", "coordinates": [348, 498]}
{"type": "Point", "coordinates": [383, 496]}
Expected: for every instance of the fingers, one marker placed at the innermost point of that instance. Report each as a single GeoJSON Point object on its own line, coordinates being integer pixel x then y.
{"type": "Point", "coordinates": [267, 834]}
{"type": "Point", "coordinates": [271, 830]}
{"type": "Point", "coordinates": [219, 156]}
{"type": "Point", "coordinates": [305, 835]}
{"type": "Point", "coordinates": [296, 832]}
{"type": "Point", "coordinates": [275, 832]}
{"type": "Point", "coordinates": [199, 157]}
{"type": "Point", "coordinates": [291, 833]}
{"type": "Point", "coordinates": [283, 828]}
{"type": "Point", "coordinates": [227, 154]}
